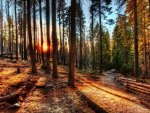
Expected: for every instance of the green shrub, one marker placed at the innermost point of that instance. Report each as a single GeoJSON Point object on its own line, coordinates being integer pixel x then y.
{"type": "Point", "coordinates": [125, 69]}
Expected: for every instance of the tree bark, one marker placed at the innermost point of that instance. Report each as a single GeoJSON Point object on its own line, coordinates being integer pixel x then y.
{"type": "Point", "coordinates": [81, 39]}
{"type": "Point", "coordinates": [16, 31]}
{"type": "Point", "coordinates": [60, 40]}
{"type": "Point", "coordinates": [63, 45]}
{"type": "Point", "coordinates": [12, 34]}
{"type": "Point", "coordinates": [72, 50]}
{"type": "Point", "coordinates": [25, 42]}
{"type": "Point", "coordinates": [48, 35]}
{"type": "Point", "coordinates": [77, 53]}
{"type": "Point", "coordinates": [145, 50]}
{"type": "Point", "coordinates": [92, 41]}
{"type": "Point", "coordinates": [21, 44]}
{"type": "Point", "coordinates": [34, 27]}
{"type": "Point", "coordinates": [136, 73]}
{"type": "Point", "coordinates": [9, 31]}
{"type": "Point", "coordinates": [54, 40]}
{"type": "Point", "coordinates": [30, 38]}
{"type": "Point", "coordinates": [2, 29]}
{"type": "Point", "coordinates": [149, 43]}
{"type": "Point", "coordinates": [41, 29]}
{"type": "Point", "coordinates": [101, 41]}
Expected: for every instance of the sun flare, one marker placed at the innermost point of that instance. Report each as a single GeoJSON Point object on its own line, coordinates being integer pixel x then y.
{"type": "Point", "coordinates": [45, 47]}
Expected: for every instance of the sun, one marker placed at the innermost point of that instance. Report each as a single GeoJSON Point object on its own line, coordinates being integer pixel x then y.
{"type": "Point", "coordinates": [45, 47]}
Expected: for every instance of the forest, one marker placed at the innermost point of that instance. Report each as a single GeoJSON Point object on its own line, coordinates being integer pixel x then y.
{"type": "Point", "coordinates": [74, 56]}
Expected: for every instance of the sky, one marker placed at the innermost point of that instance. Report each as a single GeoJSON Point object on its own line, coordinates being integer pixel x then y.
{"type": "Point", "coordinates": [86, 4]}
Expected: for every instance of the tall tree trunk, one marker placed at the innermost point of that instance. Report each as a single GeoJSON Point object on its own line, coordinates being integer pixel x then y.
{"type": "Point", "coordinates": [30, 38]}
{"type": "Point", "coordinates": [25, 42]}
{"type": "Point", "coordinates": [92, 41]}
{"type": "Point", "coordinates": [77, 53]}
{"type": "Point", "coordinates": [21, 34]}
{"type": "Point", "coordinates": [41, 29]}
{"type": "Point", "coordinates": [63, 45]}
{"type": "Point", "coordinates": [12, 34]}
{"type": "Point", "coordinates": [145, 50]}
{"type": "Point", "coordinates": [60, 40]}
{"type": "Point", "coordinates": [72, 53]}
{"type": "Point", "coordinates": [2, 29]}
{"type": "Point", "coordinates": [149, 44]}
{"type": "Point", "coordinates": [16, 30]}
{"type": "Point", "coordinates": [101, 41]}
{"type": "Point", "coordinates": [48, 35]}
{"type": "Point", "coordinates": [9, 31]}
{"type": "Point", "coordinates": [136, 73]}
{"type": "Point", "coordinates": [85, 55]}
{"type": "Point", "coordinates": [81, 42]}
{"type": "Point", "coordinates": [54, 40]}
{"type": "Point", "coordinates": [34, 27]}
{"type": "Point", "coordinates": [149, 53]}
{"type": "Point", "coordinates": [69, 40]}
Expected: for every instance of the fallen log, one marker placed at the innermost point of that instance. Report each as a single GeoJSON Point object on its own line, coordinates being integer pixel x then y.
{"type": "Point", "coordinates": [9, 98]}
{"type": "Point", "coordinates": [138, 88]}
{"type": "Point", "coordinates": [131, 84]}
{"type": "Point", "coordinates": [124, 80]}
{"type": "Point", "coordinates": [142, 85]}
{"type": "Point", "coordinates": [141, 91]}
{"type": "Point", "coordinates": [20, 92]}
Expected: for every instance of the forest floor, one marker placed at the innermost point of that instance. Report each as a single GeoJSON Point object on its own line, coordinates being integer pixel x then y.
{"type": "Point", "coordinates": [41, 94]}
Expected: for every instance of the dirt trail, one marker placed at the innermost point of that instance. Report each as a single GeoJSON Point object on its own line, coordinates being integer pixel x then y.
{"type": "Point", "coordinates": [111, 99]}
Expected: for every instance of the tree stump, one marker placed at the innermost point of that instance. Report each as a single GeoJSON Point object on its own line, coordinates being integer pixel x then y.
{"type": "Point", "coordinates": [18, 70]}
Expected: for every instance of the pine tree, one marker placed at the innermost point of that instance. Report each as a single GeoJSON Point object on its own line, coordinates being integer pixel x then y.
{"type": "Point", "coordinates": [33, 63]}
{"type": "Point", "coordinates": [72, 45]}
{"type": "Point", "coordinates": [1, 27]}
{"type": "Point", "coordinates": [54, 40]}
{"type": "Point", "coordinates": [34, 28]}
{"type": "Point", "coordinates": [92, 10]}
{"type": "Point", "coordinates": [48, 35]}
{"type": "Point", "coordinates": [25, 38]}
{"type": "Point", "coordinates": [136, 39]}
{"type": "Point", "coordinates": [16, 30]}
{"type": "Point", "coordinates": [41, 29]}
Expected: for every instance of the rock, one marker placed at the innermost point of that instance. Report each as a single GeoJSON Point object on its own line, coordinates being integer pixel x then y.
{"type": "Point", "coordinates": [49, 86]}
{"type": "Point", "coordinates": [14, 106]}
